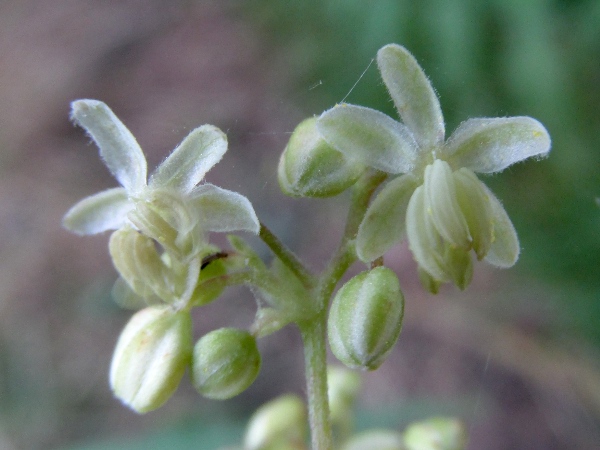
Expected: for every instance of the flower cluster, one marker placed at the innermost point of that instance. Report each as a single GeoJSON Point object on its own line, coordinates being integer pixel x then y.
{"type": "Point", "coordinates": [158, 248]}
{"type": "Point", "coordinates": [438, 201]}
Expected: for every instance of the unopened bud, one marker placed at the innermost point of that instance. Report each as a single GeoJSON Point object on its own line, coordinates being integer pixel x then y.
{"type": "Point", "coordinates": [278, 424]}
{"type": "Point", "coordinates": [309, 167]}
{"type": "Point", "coordinates": [439, 433]}
{"type": "Point", "coordinates": [225, 362]}
{"type": "Point", "coordinates": [375, 440]}
{"type": "Point", "coordinates": [150, 357]}
{"type": "Point", "coordinates": [366, 318]}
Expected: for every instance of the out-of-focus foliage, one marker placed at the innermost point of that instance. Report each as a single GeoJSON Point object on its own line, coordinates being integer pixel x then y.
{"type": "Point", "coordinates": [492, 58]}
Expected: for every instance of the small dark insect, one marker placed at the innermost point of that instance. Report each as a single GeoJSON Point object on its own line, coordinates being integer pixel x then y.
{"type": "Point", "coordinates": [210, 258]}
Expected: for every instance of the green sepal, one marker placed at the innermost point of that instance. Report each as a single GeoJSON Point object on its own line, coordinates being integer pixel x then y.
{"type": "Point", "coordinates": [413, 95]}
{"type": "Point", "coordinates": [384, 223]}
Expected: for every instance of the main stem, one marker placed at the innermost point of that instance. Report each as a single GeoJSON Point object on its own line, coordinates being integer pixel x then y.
{"type": "Point", "coordinates": [315, 358]}
{"type": "Point", "coordinates": [314, 331]}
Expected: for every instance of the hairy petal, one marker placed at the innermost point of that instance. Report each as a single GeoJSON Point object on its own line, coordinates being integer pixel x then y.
{"type": "Point", "coordinates": [106, 210]}
{"type": "Point", "coordinates": [385, 220]}
{"type": "Point", "coordinates": [504, 251]}
{"type": "Point", "coordinates": [189, 162]}
{"type": "Point", "coordinates": [221, 210]}
{"type": "Point", "coordinates": [491, 145]}
{"type": "Point", "coordinates": [413, 95]}
{"type": "Point", "coordinates": [118, 148]}
{"type": "Point", "coordinates": [370, 137]}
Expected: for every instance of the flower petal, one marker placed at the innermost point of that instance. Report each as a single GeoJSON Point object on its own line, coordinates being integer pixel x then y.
{"type": "Point", "coordinates": [413, 95]}
{"type": "Point", "coordinates": [189, 162]}
{"type": "Point", "coordinates": [106, 210]}
{"type": "Point", "coordinates": [118, 148]}
{"type": "Point", "coordinates": [384, 223]}
{"type": "Point", "coordinates": [441, 204]}
{"type": "Point", "coordinates": [491, 145]}
{"type": "Point", "coordinates": [221, 210]}
{"type": "Point", "coordinates": [369, 137]}
{"type": "Point", "coordinates": [504, 251]}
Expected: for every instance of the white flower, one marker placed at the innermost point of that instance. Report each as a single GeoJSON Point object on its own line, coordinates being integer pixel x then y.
{"type": "Point", "coordinates": [170, 207]}
{"type": "Point", "coordinates": [438, 202]}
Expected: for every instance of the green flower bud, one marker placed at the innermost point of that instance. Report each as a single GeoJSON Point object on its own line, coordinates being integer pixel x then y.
{"type": "Point", "coordinates": [309, 167]}
{"type": "Point", "coordinates": [375, 440]}
{"type": "Point", "coordinates": [225, 362]}
{"type": "Point", "coordinates": [277, 425]}
{"type": "Point", "coordinates": [150, 357]}
{"type": "Point", "coordinates": [343, 387]}
{"type": "Point", "coordinates": [436, 434]}
{"type": "Point", "coordinates": [366, 318]}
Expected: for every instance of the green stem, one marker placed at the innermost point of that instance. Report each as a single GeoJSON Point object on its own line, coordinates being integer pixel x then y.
{"type": "Point", "coordinates": [286, 256]}
{"type": "Point", "coordinates": [315, 357]}
{"type": "Point", "coordinates": [314, 331]}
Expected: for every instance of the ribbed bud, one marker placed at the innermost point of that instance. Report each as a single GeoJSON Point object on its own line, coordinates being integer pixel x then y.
{"type": "Point", "coordinates": [225, 362]}
{"type": "Point", "coordinates": [436, 434]}
{"type": "Point", "coordinates": [309, 167]}
{"type": "Point", "coordinates": [277, 425]}
{"type": "Point", "coordinates": [150, 357]}
{"type": "Point", "coordinates": [366, 318]}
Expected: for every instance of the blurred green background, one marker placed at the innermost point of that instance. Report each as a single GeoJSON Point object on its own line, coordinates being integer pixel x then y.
{"type": "Point", "coordinates": [516, 355]}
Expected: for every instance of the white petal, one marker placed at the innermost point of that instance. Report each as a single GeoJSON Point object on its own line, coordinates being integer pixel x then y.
{"type": "Point", "coordinates": [504, 251]}
{"type": "Point", "coordinates": [369, 137]}
{"type": "Point", "coordinates": [384, 223]}
{"type": "Point", "coordinates": [189, 162]}
{"type": "Point", "coordinates": [221, 210]}
{"type": "Point", "coordinates": [106, 210]}
{"type": "Point", "coordinates": [442, 205]}
{"type": "Point", "coordinates": [118, 148]}
{"type": "Point", "coordinates": [413, 95]}
{"type": "Point", "coordinates": [491, 145]}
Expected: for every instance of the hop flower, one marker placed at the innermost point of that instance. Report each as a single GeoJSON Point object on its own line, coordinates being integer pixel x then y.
{"type": "Point", "coordinates": [438, 202]}
{"type": "Point", "coordinates": [170, 207]}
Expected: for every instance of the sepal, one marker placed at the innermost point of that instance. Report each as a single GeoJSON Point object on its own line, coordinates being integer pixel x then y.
{"type": "Point", "coordinates": [118, 148]}
{"type": "Point", "coordinates": [106, 210]}
{"type": "Point", "coordinates": [384, 223]}
{"type": "Point", "coordinates": [413, 95]}
{"type": "Point", "coordinates": [370, 137]}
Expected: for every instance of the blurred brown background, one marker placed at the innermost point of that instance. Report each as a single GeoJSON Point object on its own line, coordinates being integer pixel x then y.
{"type": "Point", "coordinates": [515, 356]}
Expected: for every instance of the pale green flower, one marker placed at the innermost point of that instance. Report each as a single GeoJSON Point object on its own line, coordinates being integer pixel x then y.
{"type": "Point", "coordinates": [170, 207]}
{"type": "Point", "coordinates": [438, 202]}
